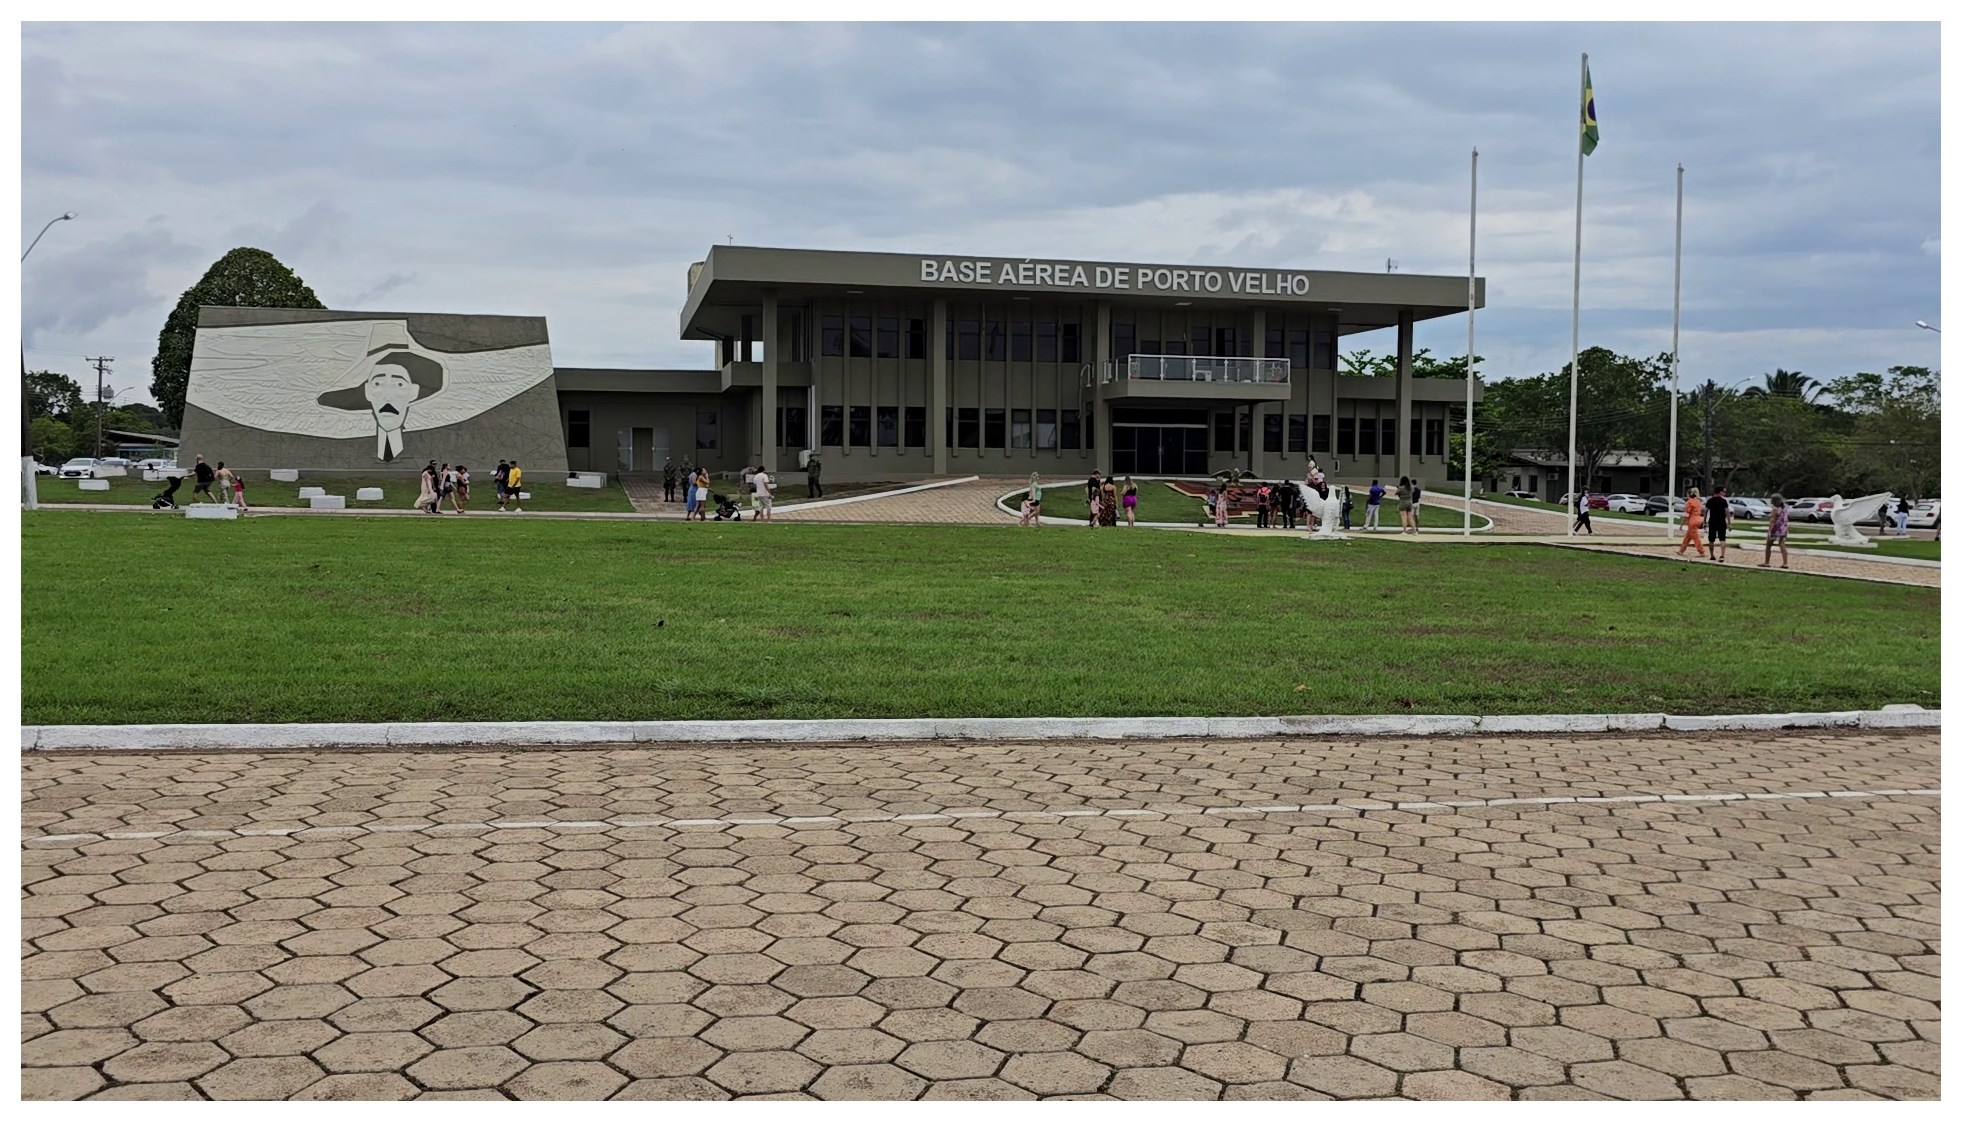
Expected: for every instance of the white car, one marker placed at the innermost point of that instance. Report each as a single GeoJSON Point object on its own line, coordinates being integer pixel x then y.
{"type": "Point", "coordinates": [1744, 506]}
{"type": "Point", "coordinates": [1925, 515]}
{"type": "Point", "coordinates": [155, 463]}
{"type": "Point", "coordinates": [83, 468]}
{"type": "Point", "coordinates": [1627, 504]}
{"type": "Point", "coordinates": [115, 462]}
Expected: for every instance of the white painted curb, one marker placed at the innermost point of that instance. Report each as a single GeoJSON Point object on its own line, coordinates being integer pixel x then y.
{"type": "Point", "coordinates": [513, 734]}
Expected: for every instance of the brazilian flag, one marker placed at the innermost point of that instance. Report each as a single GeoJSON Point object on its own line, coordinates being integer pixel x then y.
{"type": "Point", "coordinates": [1590, 127]}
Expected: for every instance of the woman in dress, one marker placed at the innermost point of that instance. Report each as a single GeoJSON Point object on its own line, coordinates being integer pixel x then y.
{"type": "Point", "coordinates": [426, 493]}
{"type": "Point", "coordinates": [461, 498]}
{"type": "Point", "coordinates": [1693, 523]}
{"type": "Point", "coordinates": [1776, 531]}
{"type": "Point", "coordinates": [1222, 506]}
{"type": "Point", "coordinates": [1130, 502]}
{"type": "Point", "coordinates": [1107, 504]}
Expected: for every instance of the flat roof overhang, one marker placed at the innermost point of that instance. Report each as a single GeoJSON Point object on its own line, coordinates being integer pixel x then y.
{"type": "Point", "coordinates": [733, 280]}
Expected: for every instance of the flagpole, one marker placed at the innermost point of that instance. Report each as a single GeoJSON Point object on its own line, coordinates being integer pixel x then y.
{"type": "Point", "coordinates": [1675, 352]}
{"type": "Point", "coordinates": [1471, 340]}
{"type": "Point", "coordinates": [1573, 388]}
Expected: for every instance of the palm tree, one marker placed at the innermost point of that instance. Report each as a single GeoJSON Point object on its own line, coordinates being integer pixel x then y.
{"type": "Point", "coordinates": [1787, 383]}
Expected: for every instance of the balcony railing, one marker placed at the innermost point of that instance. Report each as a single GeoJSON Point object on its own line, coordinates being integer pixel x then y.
{"type": "Point", "coordinates": [1205, 368]}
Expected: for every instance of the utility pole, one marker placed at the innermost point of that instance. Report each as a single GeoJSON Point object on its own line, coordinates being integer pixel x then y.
{"type": "Point", "coordinates": [101, 370]}
{"type": "Point", "coordinates": [1709, 404]}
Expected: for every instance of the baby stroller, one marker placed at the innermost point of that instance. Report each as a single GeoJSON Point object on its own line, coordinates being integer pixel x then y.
{"type": "Point", "coordinates": [725, 510]}
{"type": "Point", "coordinates": [166, 499]}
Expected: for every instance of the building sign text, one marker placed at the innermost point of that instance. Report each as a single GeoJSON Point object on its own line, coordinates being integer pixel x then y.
{"type": "Point", "coordinates": [1122, 278]}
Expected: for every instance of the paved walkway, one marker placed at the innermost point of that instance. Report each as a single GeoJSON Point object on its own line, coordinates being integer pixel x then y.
{"type": "Point", "coordinates": [971, 503]}
{"type": "Point", "coordinates": [1455, 918]}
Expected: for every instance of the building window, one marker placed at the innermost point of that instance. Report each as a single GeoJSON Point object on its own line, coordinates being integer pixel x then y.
{"type": "Point", "coordinates": [791, 426]}
{"type": "Point", "coordinates": [834, 336]}
{"type": "Point", "coordinates": [800, 349]}
{"type": "Point", "coordinates": [1324, 350]}
{"type": "Point", "coordinates": [1045, 333]}
{"type": "Point", "coordinates": [916, 338]}
{"type": "Point", "coordinates": [1174, 346]}
{"type": "Point", "coordinates": [1345, 436]}
{"type": "Point", "coordinates": [968, 427]}
{"type": "Point", "coordinates": [994, 427]}
{"type": "Point", "coordinates": [994, 341]}
{"type": "Point", "coordinates": [1270, 433]}
{"type": "Point", "coordinates": [1018, 428]}
{"type": "Point", "coordinates": [1277, 346]}
{"type": "Point", "coordinates": [1222, 432]}
{"type": "Point", "coordinates": [916, 426]}
{"type": "Point", "coordinates": [970, 341]}
{"type": "Point", "coordinates": [1366, 436]}
{"type": "Point", "coordinates": [1072, 429]}
{"type": "Point", "coordinates": [889, 337]}
{"type": "Point", "coordinates": [831, 426]}
{"type": "Point", "coordinates": [861, 426]}
{"type": "Point", "coordinates": [1321, 433]}
{"type": "Point", "coordinates": [1072, 343]}
{"type": "Point", "coordinates": [1226, 341]}
{"type": "Point", "coordinates": [1150, 347]}
{"type": "Point", "coordinates": [1298, 348]}
{"type": "Point", "coordinates": [888, 426]}
{"type": "Point", "coordinates": [1202, 340]}
{"type": "Point", "coordinates": [1045, 429]}
{"type": "Point", "coordinates": [579, 428]}
{"type": "Point", "coordinates": [1416, 434]}
{"type": "Point", "coordinates": [1021, 341]}
{"type": "Point", "coordinates": [1123, 340]}
{"type": "Point", "coordinates": [861, 336]}
{"type": "Point", "coordinates": [1297, 432]}
{"type": "Point", "coordinates": [1246, 432]}
{"type": "Point", "coordinates": [1389, 436]}
{"type": "Point", "coordinates": [1434, 440]}
{"type": "Point", "coordinates": [708, 430]}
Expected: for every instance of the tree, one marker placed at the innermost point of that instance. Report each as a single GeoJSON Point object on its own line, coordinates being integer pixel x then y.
{"type": "Point", "coordinates": [150, 416]}
{"type": "Point", "coordinates": [246, 278]}
{"type": "Point", "coordinates": [1622, 406]}
{"type": "Point", "coordinates": [54, 441]}
{"type": "Point", "coordinates": [1364, 364]}
{"type": "Point", "coordinates": [1787, 383]}
{"type": "Point", "coordinates": [1895, 438]}
{"type": "Point", "coordinates": [52, 395]}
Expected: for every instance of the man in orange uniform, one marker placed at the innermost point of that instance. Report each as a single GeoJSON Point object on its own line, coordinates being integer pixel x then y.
{"type": "Point", "coordinates": [1693, 531]}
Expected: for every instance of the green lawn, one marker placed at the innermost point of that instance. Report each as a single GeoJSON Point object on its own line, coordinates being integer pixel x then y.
{"type": "Point", "coordinates": [371, 619]}
{"type": "Point", "coordinates": [1917, 548]}
{"type": "Point", "coordinates": [399, 491]}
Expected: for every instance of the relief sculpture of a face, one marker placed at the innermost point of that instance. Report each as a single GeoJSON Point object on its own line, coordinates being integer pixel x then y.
{"type": "Point", "coordinates": [392, 376]}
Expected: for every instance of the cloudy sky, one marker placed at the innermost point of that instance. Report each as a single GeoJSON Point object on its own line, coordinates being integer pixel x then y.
{"type": "Point", "coordinates": [574, 170]}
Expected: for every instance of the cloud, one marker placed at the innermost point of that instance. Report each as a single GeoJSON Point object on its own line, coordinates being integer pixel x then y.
{"type": "Point", "coordinates": [367, 296]}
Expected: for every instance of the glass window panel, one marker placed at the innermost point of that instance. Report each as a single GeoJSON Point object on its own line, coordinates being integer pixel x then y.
{"type": "Point", "coordinates": [1298, 347]}
{"type": "Point", "coordinates": [970, 341]}
{"type": "Point", "coordinates": [1045, 428]}
{"type": "Point", "coordinates": [1018, 429]}
{"type": "Point", "coordinates": [1366, 436]}
{"type": "Point", "coordinates": [1072, 429]}
{"type": "Point", "coordinates": [1389, 427]}
{"type": "Point", "coordinates": [1072, 343]}
{"type": "Point", "coordinates": [834, 336]}
{"type": "Point", "coordinates": [1321, 432]}
{"type": "Point", "coordinates": [1202, 340]}
{"type": "Point", "coordinates": [1246, 431]}
{"type": "Point", "coordinates": [916, 426]}
{"type": "Point", "coordinates": [1021, 341]}
{"type": "Point", "coordinates": [994, 426]}
{"type": "Point", "coordinates": [969, 427]}
{"type": "Point", "coordinates": [861, 336]}
{"type": "Point", "coordinates": [889, 337]}
{"type": "Point", "coordinates": [995, 336]}
{"type": "Point", "coordinates": [888, 426]}
{"type": "Point", "coordinates": [831, 425]}
{"type": "Point", "coordinates": [861, 426]}
{"type": "Point", "coordinates": [1297, 432]}
{"type": "Point", "coordinates": [1270, 433]}
{"type": "Point", "coordinates": [1222, 432]}
{"type": "Point", "coordinates": [1046, 341]}
{"type": "Point", "coordinates": [916, 338]}
{"type": "Point", "coordinates": [1324, 350]}
{"type": "Point", "coordinates": [1277, 346]}
{"type": "Point", "coordinates": [1345, 436]}
{"type": "Point", "coordinates": [1124, 340]}
{"type": "Point", "coordinates": [579, 428]}
{"type": "Point", "coordinates": [708, 430]}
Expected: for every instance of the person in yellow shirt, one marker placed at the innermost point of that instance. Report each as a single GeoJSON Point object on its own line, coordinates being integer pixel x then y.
{"type": "Point", "coordinates": [516, 479]}
{"type": "Point", "coordinates": [1693, 518]}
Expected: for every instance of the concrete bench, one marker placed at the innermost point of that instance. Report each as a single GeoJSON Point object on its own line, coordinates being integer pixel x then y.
{"type": "Point", "coordinates": [92, 484]}
{"type": "Point", "coordinates": [104, 471]}
{"type": "Point", "coordinates": [591, 480]}
{"type": "Point", "coordinates": [210, 510]}
{"type": "Point", "coordinates": [312, 492]}
{"type": "Point", "coordinates": [327, 502]}
{"type": "Point", "coordinates": [286, 475]}
{"type": "Point", "coordinates": [368, 494]}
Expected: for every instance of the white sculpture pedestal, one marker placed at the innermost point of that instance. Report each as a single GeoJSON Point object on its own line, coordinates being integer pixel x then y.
{"type": "Point", "coordinates": [92, 484]}
{"type": "Point", "coordinates": [590, 480]}
{"type": "Point", "coordinates": [327, 502]}
{"type": "Point", "coordinates": [312, 492]}
{"type": "Point", "coordinates": [286, 475]}
{"type": "Point", "coordinates": [210, 510]}
{"type": "Point", "coordinates": [368, 494]}
{"type": "Point", "coordinates": [103, 471]}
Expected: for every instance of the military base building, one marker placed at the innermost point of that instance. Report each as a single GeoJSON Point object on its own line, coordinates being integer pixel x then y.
{"type": "Point", "coordinates": [888, 366]}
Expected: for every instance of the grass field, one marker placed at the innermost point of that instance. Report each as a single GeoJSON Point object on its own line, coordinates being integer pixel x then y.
{"type": "Point", "coordinates": [1919, 549]}
{"type": "Point", "coordinates": [399, 492]}
{"type": "Point", "coordinates": [128, 619]}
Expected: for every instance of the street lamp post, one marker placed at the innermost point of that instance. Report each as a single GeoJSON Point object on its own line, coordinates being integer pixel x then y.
{"type": "Point", "coordinates": [29, 498]}
{"type": "Point", "coordinates": [1926, 326]}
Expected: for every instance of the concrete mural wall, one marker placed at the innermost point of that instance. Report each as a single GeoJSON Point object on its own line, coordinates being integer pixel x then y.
{"type": "Point", "coordinates": [372, 392]}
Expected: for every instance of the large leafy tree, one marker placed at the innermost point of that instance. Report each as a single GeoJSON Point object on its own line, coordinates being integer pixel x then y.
{"type": "Point", "coordinates": [1787, 383]}
{"type": "Point", "coordinates": [245, 277]}
{"type": "Point", "coordinates": [1366, 364]}
{"type": "Point", "coordinates": [1623, 403]}
{"type": "Point", "coordinates": [52, 395]}
{"type": "Point", "coordinates": [1894, 442]}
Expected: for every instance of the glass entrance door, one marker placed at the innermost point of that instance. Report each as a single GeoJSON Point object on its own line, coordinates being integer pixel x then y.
{"type": "Point", "coordinates": [1140, 449]}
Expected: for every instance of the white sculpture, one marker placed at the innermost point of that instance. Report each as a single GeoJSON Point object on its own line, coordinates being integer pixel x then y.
{"type": "Point", "coordinates": [1327, 512]}
{"type": "Point", "coordinates": [1846, 512]}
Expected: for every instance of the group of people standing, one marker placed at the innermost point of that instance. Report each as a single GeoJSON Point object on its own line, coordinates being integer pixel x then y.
{"type": "Point", "coordinates": [1407, 494]}
{"type": "Point", "coordinates": [693, 482]}
{"type": "Point", "coordinates": [452, 482]}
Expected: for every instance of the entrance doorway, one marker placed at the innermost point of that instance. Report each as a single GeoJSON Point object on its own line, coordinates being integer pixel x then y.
{"type": "Point", "coordinates": [642, 449]}
{"type": "Point", "coordinates": [1158, 449]}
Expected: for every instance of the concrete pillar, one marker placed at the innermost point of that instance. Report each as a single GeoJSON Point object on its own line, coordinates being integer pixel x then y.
{"type": "Point", "coordinates": [937, 386]}
{"type": "Point", "coordinates": [1406, 331]}
{"type": "Point", "coordinates": [771, 349]}
{"type": "Point", "coordinates": [1259, 350]}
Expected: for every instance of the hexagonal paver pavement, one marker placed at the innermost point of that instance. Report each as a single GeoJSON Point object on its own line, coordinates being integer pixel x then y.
{"type": "Point", "coordinates": [1460, 919]}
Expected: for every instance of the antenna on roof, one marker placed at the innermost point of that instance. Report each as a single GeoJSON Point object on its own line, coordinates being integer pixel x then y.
{"type": "Point", "coordinates": [731, 237]}
{"type": "Point", "coordinates": [1389, 265]}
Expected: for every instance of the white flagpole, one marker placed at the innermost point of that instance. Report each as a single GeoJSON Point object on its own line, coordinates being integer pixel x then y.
{"type": "Point", "coordinates": [1675, 352]}
{"type": "Point", "coordinates": [1471, 340]}
{"type": "Point", "coordinates": [1573, 390]}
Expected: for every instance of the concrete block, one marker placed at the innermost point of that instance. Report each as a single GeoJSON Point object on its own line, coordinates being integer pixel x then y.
{"type": "Point", "coordinates": [312, 492]}
{"type": "Point", "coordinates": [327, 502]}
{"type": "Point", "coordinates": [591, 480]}
{"type": "Point", "coordinates": [524, 495]}
{"type": "Point", "coordinates": [286, 475]}
{"type": "Point", "coordinates": [368, 494]}
{"type": "Point", "coordinates": [153, 476]}
{"type": "Point", "coordinates": [92, 484]}
{"type": "Point", "coordinates": [210, 510]}
{"type": "Point", "coordinates": [103, 471]}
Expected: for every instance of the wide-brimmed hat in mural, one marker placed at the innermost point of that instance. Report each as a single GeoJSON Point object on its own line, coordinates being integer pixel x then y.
{"type": "Point", "coordinates": [386, 382]}
{"type": "Point", "coordinates": [353, 379]}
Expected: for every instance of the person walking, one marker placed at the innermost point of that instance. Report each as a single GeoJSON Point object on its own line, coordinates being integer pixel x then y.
{"type": "Point", "coordinates": [1373, 509]}
{"type": "Point", "coordinates": [1692, 523]}
{"type": "Point", "coordinates": [426, 489]}
{"type": "Point", "coordinates": [1416, 504]}
{"type": "Point", "coordinates": [1775, 532]}
{"type": "Point", "coordinates": [1263, 503]}
{"type": "Point", "coordinates": [811, 471]}
{"type": "Point", "coordinates": [1716, 522]}
{"type": "Point", "coordinates": [1901, 516]}
{"type": "Point", "coordinates": [667, 480]}
{"type": "Point", "coordinates": [446, 487]}
{"type": "Point", "coordinates": [1107, 503]}
{"type": "Point", "coordinates": [461, 499]}
{"type": "Point", "coordinates": [502, 477]}
{"type": "Point", "coordinates": [765, 493]}
{"type": "Point", "coordinates": [1583, 517]}
{"type": "Point", "coordinates": [230, 483]}
{"type": "Point", "coordinates": [1222, 508]}
{"type": "Point", "coordinates": [1130, 502]}
{"type": "Point", "coordinates": [514, 481]}
{"type": "Point", "coordinates": [701, 489]}
{"type": "Point", "coordinates": [1032, 507]}
{"type": "Point", "coordinates": [205, 477]}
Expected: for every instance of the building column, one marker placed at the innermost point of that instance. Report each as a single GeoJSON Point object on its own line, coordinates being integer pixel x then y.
{"type": "Point", "coordinates": [1406, 331]}
{"type": "Point", "coordinates": [937, 386]}
{"type": "Point", "coordinates": [1259, 351]}
{"type": "Point", "coordinates": [771, 345]}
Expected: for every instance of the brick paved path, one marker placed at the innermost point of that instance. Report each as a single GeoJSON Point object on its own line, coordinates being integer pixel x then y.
{"type": "Point", "coordinates": [1130, 920]}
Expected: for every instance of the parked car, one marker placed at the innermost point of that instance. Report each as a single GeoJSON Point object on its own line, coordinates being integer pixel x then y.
{"type": "Point", "coordinates": [83, 468]}
{"type": "Point", "coordinates": [1627, 504]}
{"type": "Point", "coordinates": [45, 469]}
{"type": "Point", "coordinates": [1521, 495]}
{"type": "Point", "coordinates": [1595, 500]}
{"type": "Point", "coordinates": [1812, 510]}
{"type": "Point", "coordinates": [1745, 506]}
{"type": "Point", "coordinates": [1925, 515]}
{"type": "Point", "coordinates": [1661, 504]}
{"type": "Point", "coordinates": [114, 462]}
{"type": "Point", "coordinates": [155, 463]}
